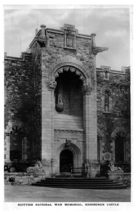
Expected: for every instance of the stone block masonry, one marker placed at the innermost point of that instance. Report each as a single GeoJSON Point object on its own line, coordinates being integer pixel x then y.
{"type": "Point", "coordinates": [60, 70]}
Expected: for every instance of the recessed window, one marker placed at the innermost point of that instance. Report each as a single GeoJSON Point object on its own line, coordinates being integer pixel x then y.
{"type": "Point", "coordinates": [107, 101]}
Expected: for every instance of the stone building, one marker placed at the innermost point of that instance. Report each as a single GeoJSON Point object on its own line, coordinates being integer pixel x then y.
{"type": "Point", "coordinates": [60, 108]}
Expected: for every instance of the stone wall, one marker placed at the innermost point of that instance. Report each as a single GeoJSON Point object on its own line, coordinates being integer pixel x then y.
{"type": "Point", "coordinates": [109, 121]}
{"type": "Point", "coordinates": [23, 178]}
{"type": "Point", "coordinates": [22, 100]}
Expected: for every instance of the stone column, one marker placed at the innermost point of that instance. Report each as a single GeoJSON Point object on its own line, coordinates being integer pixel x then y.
{"type": "Point", "coordinates": [48, 124]}
{"type": "Point", "coordinates": [90, 126]}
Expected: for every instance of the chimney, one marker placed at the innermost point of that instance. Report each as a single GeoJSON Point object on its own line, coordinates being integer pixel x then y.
{"type": "Point", "coordinates": [43, 27]}
{"type": "Point", "coordinates": [93, 35]}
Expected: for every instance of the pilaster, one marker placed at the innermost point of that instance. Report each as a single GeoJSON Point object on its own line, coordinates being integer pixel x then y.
{"type": "Point", "coordinates": [90, 123]}
{"type": "Point", "coordinates": [48, 88]}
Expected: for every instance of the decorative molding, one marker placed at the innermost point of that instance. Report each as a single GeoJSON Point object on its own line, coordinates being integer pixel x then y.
{"type": "Point", "coordinates": [118, 130]}
{"type": "Point", "coordinates": [69, 36]}
{"type": "Point", "coordinates": [72, 69]}
{"type": "Point", "coordinates": [16, 130]}
{"type": "Point", "coordinates": [107, 156]}
{"type": "Point", "coordinates": [70, 62]}
{"type": "Point", "coordinates": [68, 131]}
{"type": "Point", "coordinates": [51, 84]}
{"type": "Point", "coordinates": [87, 89]}
{"type": "Point", "coordinates": [95, 49]}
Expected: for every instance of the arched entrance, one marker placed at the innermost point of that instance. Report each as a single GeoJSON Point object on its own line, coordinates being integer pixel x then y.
{"type": "Point", "coordinates": [66, 160]}
{"type": "Point", "coordinates": [119, 148]}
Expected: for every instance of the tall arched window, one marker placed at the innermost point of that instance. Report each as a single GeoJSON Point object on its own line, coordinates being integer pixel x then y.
{"type": "Point", "coordinates": [107, 101]}
{"type": "Point", "coordinates": [119, 148]}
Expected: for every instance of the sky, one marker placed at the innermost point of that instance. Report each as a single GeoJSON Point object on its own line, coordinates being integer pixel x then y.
{"type": "Point", "coordinates": [111, 25]}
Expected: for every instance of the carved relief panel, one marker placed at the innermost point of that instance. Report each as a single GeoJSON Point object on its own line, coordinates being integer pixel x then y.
{"type": "Point", "coordinates": [69, 36]}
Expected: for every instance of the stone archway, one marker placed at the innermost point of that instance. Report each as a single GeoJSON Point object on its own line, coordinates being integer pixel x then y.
{"type": "Point", "coordinates": [69, 63]}
{"type": "Point", "coordinates": [71, 156]}
{"type": "Point", "coordinates": [119, 142]}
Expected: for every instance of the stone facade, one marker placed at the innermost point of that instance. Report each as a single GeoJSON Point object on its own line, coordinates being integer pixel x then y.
{"type": "Point", "coordinates": [57, 102]}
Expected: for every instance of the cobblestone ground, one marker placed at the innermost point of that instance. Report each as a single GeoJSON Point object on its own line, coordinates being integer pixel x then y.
{"type": "Point", "coordinates": [45, 194]}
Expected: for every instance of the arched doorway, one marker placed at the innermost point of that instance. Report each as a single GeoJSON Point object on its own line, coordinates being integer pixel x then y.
{"type": "Point", "coordinates": [66, 160]}
{"type": "Point", "coordinates": [119, 148]}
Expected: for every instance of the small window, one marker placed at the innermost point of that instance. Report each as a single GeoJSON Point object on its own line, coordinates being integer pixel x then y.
{"type": "Point", "coordinates": [106, 72]}
{"type": "Point", "coordinates": [107, 101]}
{"type": "Point", "coordinates": [106, 75]}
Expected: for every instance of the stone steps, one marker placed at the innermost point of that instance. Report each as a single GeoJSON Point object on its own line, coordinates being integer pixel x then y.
{"type": "Point", "coordinates": [80, 183]}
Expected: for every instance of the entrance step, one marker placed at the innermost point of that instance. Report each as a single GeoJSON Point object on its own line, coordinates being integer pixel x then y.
{"type": "Point", "coordinates": [80, 183]}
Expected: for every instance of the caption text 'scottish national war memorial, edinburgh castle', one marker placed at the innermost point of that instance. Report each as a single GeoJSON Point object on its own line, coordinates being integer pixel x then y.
{"type": "Point", "coordinates": [63, 110]}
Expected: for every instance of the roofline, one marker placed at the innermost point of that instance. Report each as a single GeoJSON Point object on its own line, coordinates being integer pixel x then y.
{"type": "Point", "coordinates": [97, 69]}
{"type": "Point", "coordinates": [61, 32]}
{"type": "Point", "coordinates": [112, 71]}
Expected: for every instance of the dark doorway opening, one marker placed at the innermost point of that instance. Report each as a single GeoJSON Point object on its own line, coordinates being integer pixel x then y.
{"type": "Point", "coordinates": [66, 161]}
{"type": "Point", "coordinates": [119, 148]}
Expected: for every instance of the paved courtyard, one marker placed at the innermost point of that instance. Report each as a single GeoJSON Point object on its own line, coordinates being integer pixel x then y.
{"type": "Point", "coordinates": [46, 194]}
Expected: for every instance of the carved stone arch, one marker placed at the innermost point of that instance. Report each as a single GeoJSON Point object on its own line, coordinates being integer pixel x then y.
{"type": "Point", "coordinates": [14, 126]}
{"type": "Point", "coordinates": [117, 130]}
{"type": "Point", "coordinates": [120, 144]}
{"type": "Point", "coordinates": [75, 150]}
{"type": "Point", "coordinates": [74, 67]}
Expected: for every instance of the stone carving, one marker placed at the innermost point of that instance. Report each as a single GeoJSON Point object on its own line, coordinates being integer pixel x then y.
{"type": "Point", "coordinates": [97, 50]}
{"type": "Point", "coordinates": [37, 168]}
{"type": "Point", "coordinates": [87, 89]}
{"type": "Point", "coordinates": [16, 130]}
{"type": "Point", "coordinates": [42, 39]}
{"type": "Point", "coordinates": [60, 104]}
{"type": "Point", "coordinates": [72, 69]}
{"type": "Point", "coordinates": [69, 36]}
{"type": "Point", "coordinates": [72, 63]}
{"type": "Point", "coordinates": [67, 144]}
{"type": "Point", "coordinates": [106, 71]}
{"type": "Point", "coordinates": [51, 85]}
{"type": "Point", "coordinates": [114, 168]}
